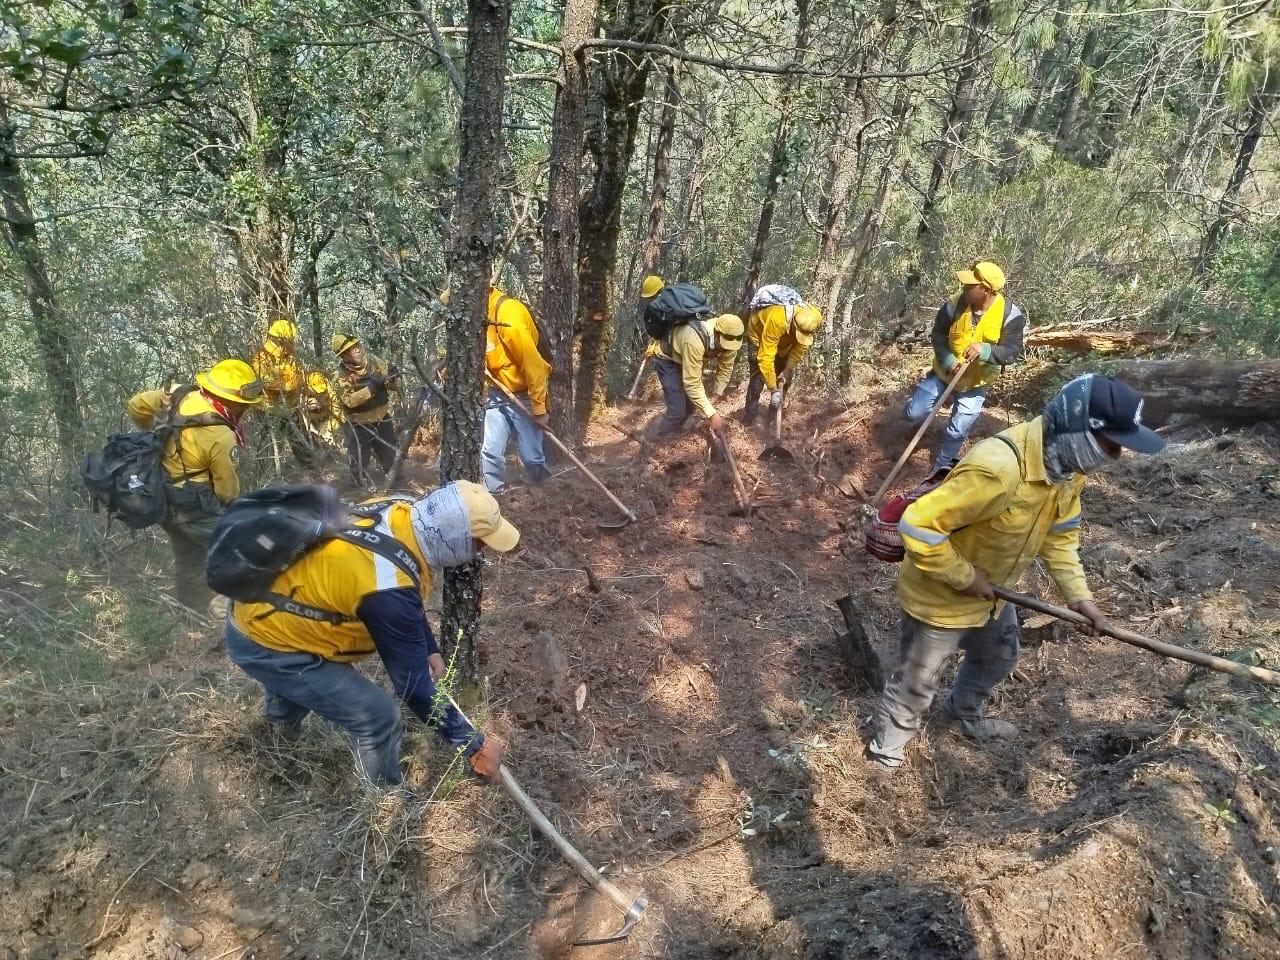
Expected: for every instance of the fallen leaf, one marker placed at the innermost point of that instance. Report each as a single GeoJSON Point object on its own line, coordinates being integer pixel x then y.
{"type": "Point", "coordinates": [580, 697]}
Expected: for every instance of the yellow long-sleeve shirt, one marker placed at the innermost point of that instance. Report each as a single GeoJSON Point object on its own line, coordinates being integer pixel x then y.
{"type": "Point", "coordinates": [281, 374]}
{"type": "Point", "coordinates": [771, 334]}
{"type": "Point", "coordinates": [511, 350]}
{"type": "Point", "coordinates": [365, 397]}
{"type": "Point", "coordinates": [690, 352]}
{"type": "Point", "coordinates": [998, 516]}
{"type": "Point", "coordinates": [195, 454]}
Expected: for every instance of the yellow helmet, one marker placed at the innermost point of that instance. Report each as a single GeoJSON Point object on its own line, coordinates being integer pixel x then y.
{"type": "Point", "coordinates": [342, 342]}
{"type": "Point", "coordinates": [730, 329]}
{"type": "Point", "coordinates": [283, 329]}
{"type": "Point", "coordinates": [232, 380]}
{"type": "Point", "coordinates": [650, 287]}
{"type": "Point", "coordinates": [807, 319]}
{"type": "Point", "coordinates": [316, 383]}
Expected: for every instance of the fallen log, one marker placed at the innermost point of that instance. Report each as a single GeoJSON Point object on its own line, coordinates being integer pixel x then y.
{"type": "Point", "coordinates": [1245, 391]}
{"type": "Point", "coordinates": [1093, 341]}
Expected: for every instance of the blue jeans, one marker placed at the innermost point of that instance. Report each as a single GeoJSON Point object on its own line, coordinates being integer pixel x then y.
{"type": "Point", "coordinates": [295, 684]}
{"type": "Point", "coordinates": [501, 419]}
{"type": "Point", "coordinates": [990, 654]}
{"type": "Point", "coordinates": [965, 407]}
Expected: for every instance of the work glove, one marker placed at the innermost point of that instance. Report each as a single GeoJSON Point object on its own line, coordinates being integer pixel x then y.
{"type": "Point", "coordinates": [376, 380]}
{"type": "Point", "coordinates": [486, 761]}
{"type": "Point", "coordinates": [775, 399]}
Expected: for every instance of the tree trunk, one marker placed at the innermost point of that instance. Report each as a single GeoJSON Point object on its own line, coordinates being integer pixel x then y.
{"type": "Point", "coordinates": [778, 161]}
{"type": "Point", "coordinates": [1076, 88]}
{"type": "Point", "coordinates": [560, 221]}
{"type": "Point", "coordinates": [1245, 391]}
{"type": "Point", "coordinates": [311, 285]}
{"type": "Point", "coordinates": [470, 258]}
{"type": "Point", "coordinates": [845, 165]}
{"type": "Point", "coordinates": [1259, 106]}
{"type": "Point", "coordinates": [1049, 58]}
{"type": "Point", "coordinates": [611, 137]}
{"type": "Point", "coordinates": [661, 171]}
{"type": "Point", "coordinates": [692, 186]}
{"type": "Point", "coordinates": [53, 332]}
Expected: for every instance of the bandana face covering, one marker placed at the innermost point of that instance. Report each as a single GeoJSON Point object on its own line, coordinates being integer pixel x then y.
{"type": "Point", "coordinates": [443, 529]}
{"type": "Point", "coordinates": [1069, 444]}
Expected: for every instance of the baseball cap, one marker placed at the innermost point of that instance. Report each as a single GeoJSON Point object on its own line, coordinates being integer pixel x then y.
{"type": "Point", "coordinates": [983, 272]}
{"type": "Point", "coordinates": [805, 323]}
{"type": "Point", "coordinates": [1115, 412]}
{"type": "Point", "coordinates": [488, 525]}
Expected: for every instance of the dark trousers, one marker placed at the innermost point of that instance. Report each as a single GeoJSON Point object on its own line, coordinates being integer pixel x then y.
{"type": "Point", "coordinates": [756, 384]}
{"type": "Point", "coordinates": [370, 441]}
{"type": "Point", "coordinates": [193, 513]}
{"type": "Point", "coordinates": [671, 378]}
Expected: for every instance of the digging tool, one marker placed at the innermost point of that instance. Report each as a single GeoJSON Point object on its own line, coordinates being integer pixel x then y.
{"type": "Point", "coordinates": [626, 511]}
{"type": "Point", "coordinates": [635, 384]}
{"type": "Point", "coordinates": [775, 450]}
{"type": "Point", "coordinates": [1200, 659]}
{"type": "Point", "coordinates": [739, 488]}
{"type": "Point", "coordinates": [632, 908]}
{"type": "Point", "coordinates": [911, 447]}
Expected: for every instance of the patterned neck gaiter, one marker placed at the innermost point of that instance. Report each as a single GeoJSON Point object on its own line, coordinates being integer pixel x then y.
{"type": "Point", "coordinates": [1069, 444]}
{"type": "Point", "coordinates": [443, 529]}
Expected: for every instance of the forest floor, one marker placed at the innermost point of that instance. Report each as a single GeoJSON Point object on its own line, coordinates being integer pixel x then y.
{"type": "Point", "coordinates": [717, 762]}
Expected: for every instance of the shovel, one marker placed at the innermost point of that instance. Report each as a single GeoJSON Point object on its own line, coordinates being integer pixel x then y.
{"type": "Point", "coordinates": [631, 908]}
{"type": "Point", "coordinates": [1199, 658]}
{"type": "Point", "coordinates": [911, 447]}
{"type": "Point", "coordinates": [604, 525]}
{"type": "Point", "coordinates": [775, 450]}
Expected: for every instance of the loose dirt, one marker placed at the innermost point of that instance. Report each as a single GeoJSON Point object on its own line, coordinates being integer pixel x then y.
{"type": "Point", "coordinates": [716, 761]}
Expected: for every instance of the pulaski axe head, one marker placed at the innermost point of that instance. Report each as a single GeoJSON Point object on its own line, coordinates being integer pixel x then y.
{"type": "Point", "coordinates": [629, 921]}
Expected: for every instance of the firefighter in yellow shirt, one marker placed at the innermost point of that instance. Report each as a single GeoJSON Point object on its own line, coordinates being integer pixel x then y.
{"type": "Point", "coordinates": [284, 380]}
{"type": "Point", "coordinates": [679, 360]}
{"type": "Point", "coordinates": [319, 413]}
{"type": "Point", "coordinates": [1014, 498]}
{"type": "Point", "coordinates": [780, 328]}
{"type": "Point", "coordinates": [512, 358]}
{"type": "Point", "coordinates": [344, 601]}
{"type": "Point", "coordinates": [364, 385]}
{"type": "Point", "coordinates": [200, 457]}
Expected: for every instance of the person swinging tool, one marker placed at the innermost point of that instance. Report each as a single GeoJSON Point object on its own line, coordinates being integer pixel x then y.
{"type": "Point", "coordinates": [679, 359]}
{"type": "Point", "coordinates": [979, 325]}
{"type": "Point", "coordinates": [201, 454]}
{"type": "Point", "coordinates": [349, 597]}
{"type": "Point", "coordinates": [1015, 497]}
{"type": "Point", "coordinates": [780, 328]}
{"type": "Point", "coordinates": [283, 381]}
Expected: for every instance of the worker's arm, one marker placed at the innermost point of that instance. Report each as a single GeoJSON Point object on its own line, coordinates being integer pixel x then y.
{"type": "Point", "coordinates": [940, 336]}
{"type": "Point", "coordinates": [145, 407]}
{"type": "Point", "coordinates": [1010, 346]}
{"type": "Point", "coordinates": [1061, 549]}
{"type": "Point", "coordinates": [518, 342]}
{"type": "Point", "coordinates": [398, 627]}
{"type": "Point", "coordinates": [794, 356]}
{"type": "Point", "coordinates": [222, 454]}
{"type": "Point", "coordinates": [767, 349]}
{"type": "Point", "coordinates": [692, 354]}
{"type": "Point", "coordinates": [971, 493]}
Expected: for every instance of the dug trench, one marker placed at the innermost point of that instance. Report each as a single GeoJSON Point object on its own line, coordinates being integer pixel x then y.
{"type": "Point", "coordinates": [678, 702]}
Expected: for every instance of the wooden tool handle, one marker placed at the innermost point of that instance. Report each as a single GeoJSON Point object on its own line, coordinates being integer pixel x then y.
{"type": "Point", "coordinates": [626, 511]}
{"type": "Point", "coordinates": [911, 447]}
{"type": "Point", "coordinates": [1199, 658]}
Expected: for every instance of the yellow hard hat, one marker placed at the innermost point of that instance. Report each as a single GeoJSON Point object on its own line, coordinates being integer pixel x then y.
{"type": "Point", "coordinates": [806, 320]}
{"type": "Point", "coordinates": [651, 286]}
{"type": "Point", "coordinates": [342, 342]}
{"type": "Point", "coordinates": [316, 383]}
{"type": "Point", "coordinates": [232, 380]}
{"type": "Point", "coordinates": [488, 525]}
{"type": "Point", "coordinates": [730, 329]}
{"type": "Point", "coordinates": [983, 272]}
{"type": "Point", "coordinates": [283, 329]}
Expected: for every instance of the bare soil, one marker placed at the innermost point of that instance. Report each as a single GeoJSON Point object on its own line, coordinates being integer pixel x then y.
{"type": "Point", "coordinates": [717, 761]}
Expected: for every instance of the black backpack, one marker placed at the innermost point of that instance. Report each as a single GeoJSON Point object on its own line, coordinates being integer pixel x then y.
{"type": "Point", "coordinates": [544, 347]}
{"type": "Point", "coordinates": [264, 533]}
{"type": "Point", "coordinates": [674, 305]}
{"type": "Point", "coordinates": [128, 476]}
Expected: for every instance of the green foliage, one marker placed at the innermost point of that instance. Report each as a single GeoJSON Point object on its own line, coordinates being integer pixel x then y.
{"type": "Point", "coordinates": [1243, 302]}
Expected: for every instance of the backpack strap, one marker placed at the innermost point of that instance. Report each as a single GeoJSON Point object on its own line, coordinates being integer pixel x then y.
{"type": "Point", "coordinates": [380, 544]}
{"type": "Point", "coordinates": [1022, 470]}
{"type": "Point", "coordinates": [696, 324]}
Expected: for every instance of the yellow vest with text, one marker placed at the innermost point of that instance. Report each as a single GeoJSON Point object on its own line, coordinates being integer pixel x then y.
{"type": "Point", "coordinates": [965, 332]}
{"type": "Point", "coordinates": [336, 576]}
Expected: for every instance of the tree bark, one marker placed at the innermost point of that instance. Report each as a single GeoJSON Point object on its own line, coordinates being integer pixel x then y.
{"type": "Point", "coordinates": [311, 285]}
{"type": "Point", "coordinates": [470, 259]}
{"type": "Point", "coordinates": [1256, 117]}
{"type": "Point", "coordinates": [661, 171]}
{"type": "Point", "coordinates": [52, 329]}
{"type": "Point", "coordinates": [778, 161]}
{"type": "Point", "coordinates": [1075, 88]}
{"type": "Point", "coordinates": [1049, 58]}
{"type": "Point", "coordinates": [1245, 391]}
{"type": "Point", "coordinates": [560, 220]}
{"type": "Point", "coordinates": [611, 137]}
